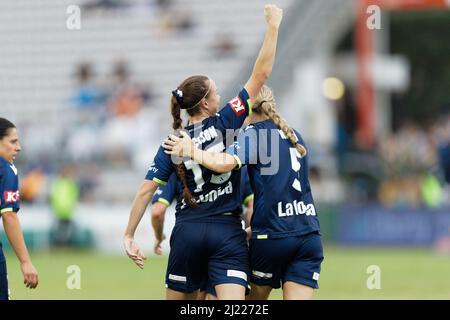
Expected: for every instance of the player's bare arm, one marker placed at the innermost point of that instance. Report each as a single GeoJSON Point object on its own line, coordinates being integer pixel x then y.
{"type": "Point", "coordinates": [266, 57]}
{"type": "Point", "coordinates": [140, 203]}
{"type": "Point", "coordinates": [14, 233]}
{"type": "Point", "coordinates": [184, 147]}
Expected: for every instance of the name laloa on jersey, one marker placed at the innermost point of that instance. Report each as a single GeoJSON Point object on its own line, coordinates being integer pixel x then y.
{"type": "Point", "coordinates": [297, 208]}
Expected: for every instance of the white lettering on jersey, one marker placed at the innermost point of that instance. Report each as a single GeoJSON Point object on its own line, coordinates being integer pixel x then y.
{"type": "Point", "coordinates": [237, 105]}
{"type": "Point", "coordinates": [212, 195]}
{"type": "Point", "coordinates": [205, 136]}
{"type": "Point", "coordinates": [11, 196]}
{"type": "Point", "coordinates": [295, 207]}
{"type": "Point", "coordinates": [153, 168]}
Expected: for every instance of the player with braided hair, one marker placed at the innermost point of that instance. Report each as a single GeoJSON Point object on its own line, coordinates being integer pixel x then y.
{"type": "Point", "coordinates": [285, 245]}
{"type": "Point", "coordinates": [207, 242]}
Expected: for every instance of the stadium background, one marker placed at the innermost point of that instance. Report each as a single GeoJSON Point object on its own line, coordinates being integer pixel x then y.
{"type": "Point", "coordinates": [91, 106]}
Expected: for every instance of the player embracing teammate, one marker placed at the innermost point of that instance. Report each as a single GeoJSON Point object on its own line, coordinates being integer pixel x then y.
{"type": "Point", "coordinates": [207, 242]}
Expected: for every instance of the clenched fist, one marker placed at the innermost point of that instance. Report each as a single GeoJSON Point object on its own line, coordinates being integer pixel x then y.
{"type": "Point", "coordinates": [273, 15]}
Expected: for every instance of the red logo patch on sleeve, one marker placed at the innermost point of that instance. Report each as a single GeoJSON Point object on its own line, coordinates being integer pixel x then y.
{"type": "Point", "coordinates": [237, 105]}
{"type": "Point", "coordinates": [11, 196]}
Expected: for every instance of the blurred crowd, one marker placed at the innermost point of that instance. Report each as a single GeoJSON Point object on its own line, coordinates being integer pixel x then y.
{"type": "Point", "coordinates": [408, 168]}
{"type": "Point", "coordinates": [416, 165]}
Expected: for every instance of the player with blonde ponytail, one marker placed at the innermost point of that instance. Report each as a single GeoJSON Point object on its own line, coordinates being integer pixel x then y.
{"type": "Point", "coordinates": [265, 105]}
{"type": "Point", "coordinates": [285, 245]}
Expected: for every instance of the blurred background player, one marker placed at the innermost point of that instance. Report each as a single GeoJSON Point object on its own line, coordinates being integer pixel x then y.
{"type": "Point", "coordinates": [9, 206]}
{"type": "Point", "coordinates": [64, 197]}
{"type": "Point", "coordinates": [207, 241]}
{"type": "Point", "coordinates": [285, 245]}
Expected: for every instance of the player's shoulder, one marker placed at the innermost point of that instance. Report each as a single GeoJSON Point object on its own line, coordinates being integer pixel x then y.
{"type": "Point", "coordinates": [266, 124]}
{"type": "Point", "coordinates": [299, 136]}
{"type": "Point", "coordinates": [7, 168]}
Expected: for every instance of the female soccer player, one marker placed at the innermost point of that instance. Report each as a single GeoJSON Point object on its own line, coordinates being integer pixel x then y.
{"type": "Point", "coordinates": [207, 240]}
{"type": "Point", "coordinates": [9, 206]}
{"type": "Point", "coordinates": [165, 195]}
{"type": "Point", "coordinates": [285, 245]}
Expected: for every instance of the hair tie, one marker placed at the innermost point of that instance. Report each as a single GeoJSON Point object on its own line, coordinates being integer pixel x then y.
{"type": "Point", "coordinates": [178, 94]}
{"type": "Point", "coordinates": [260, 104]}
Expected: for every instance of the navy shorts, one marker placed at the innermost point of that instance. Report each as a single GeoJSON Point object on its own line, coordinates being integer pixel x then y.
{"type": "Point", "coordinates": [296, 259]}
{"type": "Point", "coordinates": [4, 291]}
{"type": "Point", "coordinates": [207, 252]}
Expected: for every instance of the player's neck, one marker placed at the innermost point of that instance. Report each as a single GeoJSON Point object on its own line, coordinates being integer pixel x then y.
{"type": "Point", "coordinates": [198, 118]}
{"type": "Point", "coordinates": [258, 117]}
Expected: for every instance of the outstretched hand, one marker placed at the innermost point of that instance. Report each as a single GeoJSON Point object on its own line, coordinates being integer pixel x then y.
{"type": "Point", "coordinates": [134, 252]}
{"type": "Point", "coordinates": [179, 146]}
{"type": "Point", "coordinates": [273, 15]}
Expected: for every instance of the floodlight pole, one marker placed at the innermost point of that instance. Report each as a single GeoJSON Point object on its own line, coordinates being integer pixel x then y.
{"type": "Point", "coordinates": [364, 45]}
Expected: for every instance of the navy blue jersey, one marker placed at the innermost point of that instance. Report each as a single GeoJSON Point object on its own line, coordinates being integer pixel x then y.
{"type": "Point", "coordinates": [246, 189]}
{"type": "Point", "coordinates": [283, 203]}
{"type": "Point", "coordinates": [166, 194]}
{"type": "Point", "coordinates": [9, 187]}
{"type": "Point", "coordinates": [173, 189]}
{"type": "Point", "coordinates": [215, 193]}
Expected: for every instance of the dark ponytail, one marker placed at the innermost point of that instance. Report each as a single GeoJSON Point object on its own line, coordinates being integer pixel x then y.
{"type": "Point", "coordinates": [175, 108]}
{"type": "Point", "coordinates": [5, 125]}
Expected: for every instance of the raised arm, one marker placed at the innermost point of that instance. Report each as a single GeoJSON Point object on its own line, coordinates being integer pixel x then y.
{"type": "Point", "coordinates": [266, 57]}
{"type": "Point", "coordinates": [140, 203]}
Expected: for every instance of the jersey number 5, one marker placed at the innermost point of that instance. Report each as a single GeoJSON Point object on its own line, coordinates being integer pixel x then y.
{"type": "Point", "coordinates": [295, 155]}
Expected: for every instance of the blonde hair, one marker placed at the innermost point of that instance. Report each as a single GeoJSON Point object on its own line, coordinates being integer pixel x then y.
{"type": "Point", "coordinates": [265, 104]}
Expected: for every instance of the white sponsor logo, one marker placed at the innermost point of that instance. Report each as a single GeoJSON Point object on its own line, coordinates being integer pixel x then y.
{"type": "Point", "coordinates": [153, 168]}
{"type": "Point", "coordinates": [262, 275]}
{"type": "Point", "coordinates": [213, 194]}
{"type": "Point", "coordinates": [177, 278]}
{"type": "Point", "coordinates": [11, 196]}
{"type": "Point", "coordinates": [237, 274]}
{"type": "Point", "coordinates": [316, 276]}
{"type": "Point", "coordinates": [237, 105]}
{"type": "Point", "coordinates": [289, 209]}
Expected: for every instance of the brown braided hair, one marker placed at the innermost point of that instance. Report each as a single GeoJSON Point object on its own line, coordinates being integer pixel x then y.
{"type": "Point", "coordinates": [190, 93]}
{"type": "Point", "coordinates": [265, 104]}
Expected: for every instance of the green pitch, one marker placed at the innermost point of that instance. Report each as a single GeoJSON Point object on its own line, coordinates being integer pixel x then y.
{"type": "Point", "coordinates": [405, 274]}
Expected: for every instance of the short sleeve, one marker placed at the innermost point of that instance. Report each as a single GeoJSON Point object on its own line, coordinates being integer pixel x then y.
{"type": "Point", "coordinates": [166, 194]}
{"type": "Point", "coordinates": [10, 195]}
{"type": "Point", "coordinates": [161, 168]}
{"type": "Point", "coordinates": [233, 115]}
